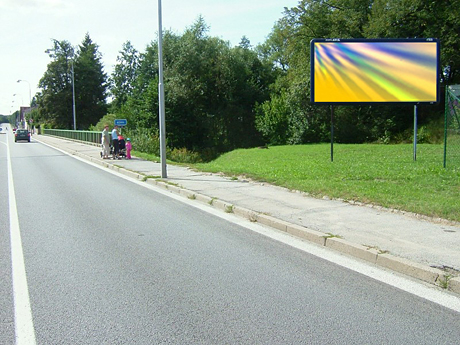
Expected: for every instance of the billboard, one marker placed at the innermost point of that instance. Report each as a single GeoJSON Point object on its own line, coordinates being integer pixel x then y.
{"type": "Point", "coordinates": [347, 71]}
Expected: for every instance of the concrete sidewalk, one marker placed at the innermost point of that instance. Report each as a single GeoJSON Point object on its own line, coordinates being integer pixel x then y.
{"type": "Point", "coordinates": [421, 248]}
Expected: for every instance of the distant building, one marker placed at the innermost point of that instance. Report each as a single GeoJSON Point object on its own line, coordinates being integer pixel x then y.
{"type": "Point", "coordinates": [21, 120]}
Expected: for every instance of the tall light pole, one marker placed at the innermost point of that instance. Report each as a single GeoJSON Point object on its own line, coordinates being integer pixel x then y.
{"type": "Point", "coordinates": [161, 95]}
{"type": "Point", "coordinates": [74, 111]}
{"type": "Point", "coordinates": [30, 94]}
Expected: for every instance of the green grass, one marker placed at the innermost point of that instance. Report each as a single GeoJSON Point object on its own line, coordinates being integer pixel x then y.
{"type": "Point", "coordinates": [146, 156]}
{"type": "Point", "coordinates": [383, 175]}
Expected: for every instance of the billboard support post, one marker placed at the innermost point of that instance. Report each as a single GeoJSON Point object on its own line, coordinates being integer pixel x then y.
{"type": "Point", "coordinates": [446, 108]}
{"type": "Point", "coordinates": [415, 132]}
{"type": "Point", "coordinates": [375, 71]}
{"type": "Point", "coordinates": [332, 133]}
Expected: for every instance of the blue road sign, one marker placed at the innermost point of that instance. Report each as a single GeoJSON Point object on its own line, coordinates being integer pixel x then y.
{"type": "Point", "coordinates": [121, 122]}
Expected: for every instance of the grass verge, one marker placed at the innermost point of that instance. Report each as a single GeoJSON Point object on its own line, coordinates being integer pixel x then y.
{"type": "Point", "coordinates": [383, 175]}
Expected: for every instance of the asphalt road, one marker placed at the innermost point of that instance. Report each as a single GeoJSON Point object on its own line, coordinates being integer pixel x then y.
{"type": "Point", "coordinates": [109, 261]}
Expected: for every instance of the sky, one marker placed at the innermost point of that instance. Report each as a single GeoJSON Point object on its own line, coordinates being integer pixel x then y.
{"type": "Point", "coordinates": [27, 28]}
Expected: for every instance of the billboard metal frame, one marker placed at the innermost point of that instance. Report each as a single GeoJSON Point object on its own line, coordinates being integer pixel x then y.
{"type": "Point", "coordinates": [351, 62]}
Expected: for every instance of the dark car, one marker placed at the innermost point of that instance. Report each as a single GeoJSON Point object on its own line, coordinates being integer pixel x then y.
{"type": "Point", "coordinates": [22, 134]}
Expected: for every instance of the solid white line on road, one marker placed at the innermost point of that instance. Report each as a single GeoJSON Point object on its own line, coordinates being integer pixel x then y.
{"type": "Point", "coordinates": [23, 322]}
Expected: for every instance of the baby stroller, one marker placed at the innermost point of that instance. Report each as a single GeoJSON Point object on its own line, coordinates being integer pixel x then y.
{"type": "Point", "coordinates": [122, 147]}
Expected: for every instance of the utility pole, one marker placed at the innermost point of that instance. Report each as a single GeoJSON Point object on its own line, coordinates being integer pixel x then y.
{"type": "Point", "coordinates": [161, 95]}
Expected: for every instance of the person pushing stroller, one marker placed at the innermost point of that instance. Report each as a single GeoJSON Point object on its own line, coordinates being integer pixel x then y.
{"type": "Point", "coordinates": [116, 147]}
{"type": "Point", "coordinates": [105, 140]}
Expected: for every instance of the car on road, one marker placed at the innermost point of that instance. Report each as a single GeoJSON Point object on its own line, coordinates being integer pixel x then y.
{"type": "Point", "coordinates": [22, 134]}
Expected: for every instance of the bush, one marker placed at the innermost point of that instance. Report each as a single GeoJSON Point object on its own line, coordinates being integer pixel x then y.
{"type": "Point", "coordinates": [184, 156]}
{"type": "Point", "coordinates": [432, 133]}
{"type": "Point", "coordinates": [108, 119]}
{"type": "Point", "coordinates": [145, 140]}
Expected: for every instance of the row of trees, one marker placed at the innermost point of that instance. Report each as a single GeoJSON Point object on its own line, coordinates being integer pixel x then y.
{"type": "Point", "coordinates": [288, 117]}
{"type": "Point", "coordinates": [220, 97]}
{"type": "Point", "coordinates": [5, 119]}
{"type": "Point", "coordinates": [211, 89]}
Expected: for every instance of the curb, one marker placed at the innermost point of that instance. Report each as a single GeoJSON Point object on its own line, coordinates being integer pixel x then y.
{"type": "Point", "coordinates": [454, 285]}
{"type": "Point", "coordinates": [412, 269]}
{"type": "Point", "coordinates": [404, 266]}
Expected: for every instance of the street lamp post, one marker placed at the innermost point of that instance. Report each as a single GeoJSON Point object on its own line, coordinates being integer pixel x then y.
{"type": "Point", "coordinates": [161, 95]}
{"type": "Point", "coordinates": [73, 98]}
{"type": "Point", "coordinates": [30, 94]}
{"type": "Point", "coordinates": [74, 111]}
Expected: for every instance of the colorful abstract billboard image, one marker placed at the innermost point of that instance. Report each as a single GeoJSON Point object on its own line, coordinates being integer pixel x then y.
{"type": "Point", "coordinates": [375, 71]}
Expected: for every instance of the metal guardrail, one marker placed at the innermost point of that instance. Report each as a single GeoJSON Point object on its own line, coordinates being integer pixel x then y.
{"type": "Point", "coordinates": [86, 136]}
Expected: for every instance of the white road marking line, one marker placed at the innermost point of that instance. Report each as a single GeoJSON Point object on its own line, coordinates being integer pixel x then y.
{"type": "Point", "coordinates": [23, 322]}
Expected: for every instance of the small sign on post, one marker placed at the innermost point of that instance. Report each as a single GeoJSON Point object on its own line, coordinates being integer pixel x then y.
{"type": "Point", "coordinates": [121, 122]}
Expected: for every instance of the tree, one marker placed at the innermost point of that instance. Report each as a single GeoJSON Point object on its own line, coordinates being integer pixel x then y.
{"type": "Point", "coordinates": [210, 91]}
{"type": "Point", "coordinates": [90, 84]}
{"type": "Point", "coordinates": [274, 50]}
{"type": "Point", "coordinates": [124, 75]}
{"type": "Point", "coordinates": [55, 101]}
{"type": "Point", "coordinates": [421, 18]}
{"type": "Point", "coordinates": [287, 48]}
{"type": "Point", "coordinates": [7, 119]}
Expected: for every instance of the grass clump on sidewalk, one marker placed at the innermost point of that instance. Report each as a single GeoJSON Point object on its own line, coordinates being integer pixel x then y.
{"type": "Point", "coordinates": [384, 175]}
